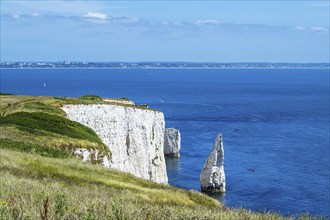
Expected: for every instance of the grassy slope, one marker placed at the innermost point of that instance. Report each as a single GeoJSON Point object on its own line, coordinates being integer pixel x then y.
{"type": "Point", "coordinates": [77, 190]}
{"type": "Point", "coordinates": [43, 180]}
{"type": "Point", "coordinates": [40, 121]}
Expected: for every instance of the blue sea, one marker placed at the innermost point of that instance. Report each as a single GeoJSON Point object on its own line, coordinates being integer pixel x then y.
{"type": "Point", "coordinates": [275, 121]}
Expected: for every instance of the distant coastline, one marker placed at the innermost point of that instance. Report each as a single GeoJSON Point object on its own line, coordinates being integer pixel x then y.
{"type": "Point", "coordinates": [158, 65]}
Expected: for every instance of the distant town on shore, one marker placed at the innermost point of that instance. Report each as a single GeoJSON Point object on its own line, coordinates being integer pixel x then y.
{"type": "Point", "coordinates": [160, 65]}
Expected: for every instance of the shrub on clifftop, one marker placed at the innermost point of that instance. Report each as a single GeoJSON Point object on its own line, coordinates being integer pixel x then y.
{"type": "Point", "coordinates": [91, 97]}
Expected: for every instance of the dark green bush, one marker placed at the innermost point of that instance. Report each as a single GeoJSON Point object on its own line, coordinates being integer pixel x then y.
{"type": "Point", "coordinates": [2, 93]}
{"type": "Point", "coordinates": [124, 98]}
{"type": "Point", "coordinates": [91, 97]}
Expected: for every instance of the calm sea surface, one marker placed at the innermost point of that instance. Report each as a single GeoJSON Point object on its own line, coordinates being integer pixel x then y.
{"type": "Point", "coordinates": [273, 121]}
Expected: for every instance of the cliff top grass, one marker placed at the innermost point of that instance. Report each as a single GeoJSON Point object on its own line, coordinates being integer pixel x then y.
{"type": "Point", "coordinates": [39, 120]}
{"type": "Point", "coordinates": [37, 187]}
{"type": "Point", "coordinates": [11, 103]}
{"type": "Point", "coordinates": [91, 97]}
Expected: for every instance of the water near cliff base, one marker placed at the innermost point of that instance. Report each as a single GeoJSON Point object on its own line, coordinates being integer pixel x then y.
{"type": "Point", "coordinates": [275, 125]}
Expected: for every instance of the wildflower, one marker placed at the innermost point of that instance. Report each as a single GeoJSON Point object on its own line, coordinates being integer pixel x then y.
{"type": "Point", "coordinates": [3, 203]}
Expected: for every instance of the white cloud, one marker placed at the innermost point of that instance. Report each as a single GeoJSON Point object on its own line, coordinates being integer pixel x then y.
{"type": "Point", "coordinates": [310, 29]}
{"type": "Point", "coordinates": [175, 23]}
{"type": "Point", "coordinates": [96, 15]}
{"type": "Point", "coordinates": [178, 23]}
{"type": "Point", "coordinates": [318, 29]}
{"type": "Point", "coordinates": [299, 28]}
{"type": "Point", "coordinates": [15, 17]}
{"type": "Point", "coordinates": [207, 21]}
{"type": "Point", "coordinates": [35, 15]}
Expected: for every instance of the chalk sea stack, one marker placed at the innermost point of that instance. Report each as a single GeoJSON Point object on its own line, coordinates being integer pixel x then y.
{"type": "Point", "coordinates": [212, 177]}
{"type": "Point", "coordinates": [172, 142]}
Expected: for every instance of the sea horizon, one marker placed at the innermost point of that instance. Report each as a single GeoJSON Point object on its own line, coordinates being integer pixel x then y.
{"type": "Point", "coordinates": [159, 65]}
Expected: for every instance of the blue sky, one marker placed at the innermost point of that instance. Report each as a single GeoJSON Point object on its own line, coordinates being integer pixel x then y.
{"type": "Point", "coordinates": [213, 31]}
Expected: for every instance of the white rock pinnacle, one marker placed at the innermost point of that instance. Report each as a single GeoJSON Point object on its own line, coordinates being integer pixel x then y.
{"type": "Point", "coordinates": [172, 142]}
{"type": "Point", "coordinates": [212, 177]}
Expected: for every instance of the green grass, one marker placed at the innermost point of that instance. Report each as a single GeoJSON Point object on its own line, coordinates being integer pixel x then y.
{"type": "Point", "coordinates": [33, 186]}
{"type": "Point", "coordinates": [124, 99]}
{"type": "Point", "coordinates": [12, 103]}
{"type": "Point", "coordinates": [91, 97]}
{"type": "Point", "coordinates": [39, 121]}
{"type": "Point", "coordinates": [32, 148]}
{"type": "Point", "coordinates": [51, 105]}
{"type": "Point", "coordinates": [36, 106]}
{"type": "Point", "coordinates": [43, 123]}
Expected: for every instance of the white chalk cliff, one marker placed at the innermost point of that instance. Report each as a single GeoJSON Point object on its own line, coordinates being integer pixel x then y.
{"type": "Point", "coordinates": [134, 136]}
{"type": "Point", "coordinates": [172, 142]}
{"type": "Point", "coordinates": [212, 177]}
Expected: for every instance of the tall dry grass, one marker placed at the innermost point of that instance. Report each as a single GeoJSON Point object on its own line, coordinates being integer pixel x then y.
{"type": "Point", "coordinates": [36, 187]}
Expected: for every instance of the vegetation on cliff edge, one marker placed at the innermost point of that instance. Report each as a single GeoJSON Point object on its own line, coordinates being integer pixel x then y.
{"type": "Point", "coordinates": [39, 121]}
